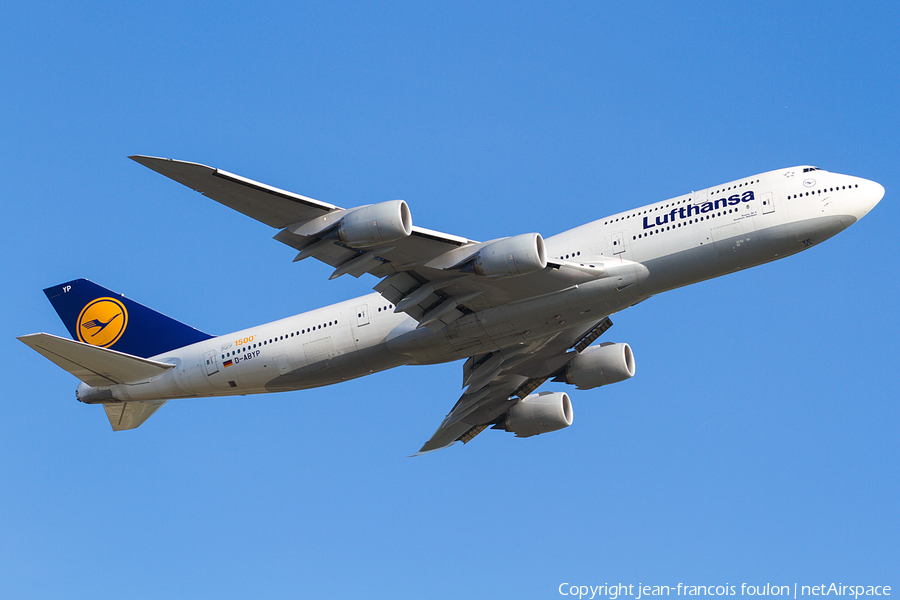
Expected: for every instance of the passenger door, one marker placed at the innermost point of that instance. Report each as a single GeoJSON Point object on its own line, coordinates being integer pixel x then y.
{"type": "Point", "coordinates": [618, 240]}
{"type": "Point", "coordinates": [212, 363]}
{"type": "Point", "coordinates": [768, 202]}
{"type": "Point", "coordinates": [362, 315]}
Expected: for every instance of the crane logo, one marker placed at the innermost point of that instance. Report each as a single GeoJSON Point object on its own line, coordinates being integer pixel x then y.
{"type": "Point", "coordinates": [102, 322]}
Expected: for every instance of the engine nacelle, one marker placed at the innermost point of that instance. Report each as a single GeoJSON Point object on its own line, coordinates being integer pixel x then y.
{"type": "Point", "coordinates": [512, 256]}
{"type": "Point", "coordinates": [539, 413]}
{"type": "Point", "coordinates": [375, 224]}
{"type": "Point", "coordinates": [601, 365]}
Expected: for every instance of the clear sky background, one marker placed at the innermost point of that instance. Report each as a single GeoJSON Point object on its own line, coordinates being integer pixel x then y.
{"type": "Point", "coordinates": [758, 442]}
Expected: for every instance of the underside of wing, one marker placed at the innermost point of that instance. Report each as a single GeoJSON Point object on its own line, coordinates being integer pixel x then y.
{"type": "Point", "coordinates": [501, 385]}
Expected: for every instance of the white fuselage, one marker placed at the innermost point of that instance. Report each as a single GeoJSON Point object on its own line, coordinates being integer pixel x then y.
{"type": "Point", "coordinates": [658, 247]}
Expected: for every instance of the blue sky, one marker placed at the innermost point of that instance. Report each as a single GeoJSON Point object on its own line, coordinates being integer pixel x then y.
{"type": "Point", "coordinates": [757, 442]}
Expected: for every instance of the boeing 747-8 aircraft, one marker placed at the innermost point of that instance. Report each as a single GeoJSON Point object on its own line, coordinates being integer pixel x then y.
{"type": "Point", "coordinates": [519, 310]}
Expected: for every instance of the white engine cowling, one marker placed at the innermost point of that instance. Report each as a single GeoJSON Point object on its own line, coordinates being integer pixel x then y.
{"type": "Point", "coordinates": [512, 256]}
{"type": "Point", "coordinates": [601, 365]}
{"type": "Point", "coordinates": [539, 413]}
{"type": "Point", "coordinates": [375, 224]}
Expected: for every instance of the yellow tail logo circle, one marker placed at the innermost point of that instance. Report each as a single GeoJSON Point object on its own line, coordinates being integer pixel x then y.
{"type": "Point", "coordinates": [102, 322]}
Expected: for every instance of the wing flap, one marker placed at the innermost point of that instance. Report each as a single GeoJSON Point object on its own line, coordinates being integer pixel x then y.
{"type": "Point", "coordinates": [94, 365]}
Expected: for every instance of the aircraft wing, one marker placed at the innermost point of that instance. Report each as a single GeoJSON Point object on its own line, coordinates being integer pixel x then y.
{"type": "Point", "coordinates": [496, 381]}
{"type": "Point", "coordinates": [267, 204]}
{"type": "Point", "coordinates": [426, 274]}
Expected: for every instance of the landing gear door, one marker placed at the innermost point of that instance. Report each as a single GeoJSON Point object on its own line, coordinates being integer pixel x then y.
{"type": "Point", "coordinates": [618, 243]}
{"type": "Point", "coordinates": [362, 315]}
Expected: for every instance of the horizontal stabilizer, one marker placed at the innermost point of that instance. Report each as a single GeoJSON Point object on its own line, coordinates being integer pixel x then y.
{"type": "Point", "coordinates": [129, 415]}
{"type": "Point", "coordinates": [94, 365]}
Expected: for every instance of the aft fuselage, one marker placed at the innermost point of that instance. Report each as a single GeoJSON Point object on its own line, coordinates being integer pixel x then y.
{"type": "Point", "coordinates": [642, 252]}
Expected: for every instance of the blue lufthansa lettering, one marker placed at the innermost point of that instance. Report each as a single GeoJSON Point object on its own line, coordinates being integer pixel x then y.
{"type": "Point", "coordinates": [691, 210]}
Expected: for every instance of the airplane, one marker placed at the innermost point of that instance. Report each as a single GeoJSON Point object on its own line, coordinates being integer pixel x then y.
{"type": "Point", "coordinates": [519, 311]}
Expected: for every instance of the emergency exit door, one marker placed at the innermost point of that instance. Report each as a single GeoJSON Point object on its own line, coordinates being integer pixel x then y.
{"type": "Point", "coordinates": [618, 241]}
{"type": "Point", "coordinates": [212, 363]}
{"type": "Point", "coordinates": [768, 202]}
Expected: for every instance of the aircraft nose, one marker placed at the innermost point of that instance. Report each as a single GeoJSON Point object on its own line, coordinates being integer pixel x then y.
{"type": "Point", "coordinates": [879, 193]}
{"type": "Point", "coordinates": [871, 194]}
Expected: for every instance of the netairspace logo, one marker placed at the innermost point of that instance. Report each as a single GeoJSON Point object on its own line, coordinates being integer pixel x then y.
{"type": "Point", "coordinates": [639, 591]}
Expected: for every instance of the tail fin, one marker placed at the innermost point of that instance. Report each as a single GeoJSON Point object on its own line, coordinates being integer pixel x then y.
{"type": "Point", "coordinates": [97, 316]}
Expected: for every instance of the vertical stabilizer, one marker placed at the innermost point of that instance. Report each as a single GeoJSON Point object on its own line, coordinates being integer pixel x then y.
{"type": "Point", "coordinates": [100, 317]}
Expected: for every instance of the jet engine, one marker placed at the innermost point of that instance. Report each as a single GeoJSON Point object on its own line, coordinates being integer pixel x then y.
{"type": "Point", "coordinates": [539, 413]}
{"type": "Point", "coordinates": [512, 256]}
{"type": "Point", "coordinates": [600, 365]}
{"type": "Point", "coordinates": [375, 224]}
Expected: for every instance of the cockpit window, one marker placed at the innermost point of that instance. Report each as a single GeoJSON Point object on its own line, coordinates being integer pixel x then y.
{"type": "Point", "coordinates": [808, 169]}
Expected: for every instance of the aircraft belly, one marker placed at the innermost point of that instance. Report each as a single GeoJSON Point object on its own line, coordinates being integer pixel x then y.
{"type": "Point", "coordinates": [170, 385]}
{"type": "Point", "coordinates": [328, 369]}
{"type": "Point", "coordinates": [524, 321]}
{"type": "Point", "coordinates": [732, 249]}
{"type": "Point", "coordinates": [191, 376]}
